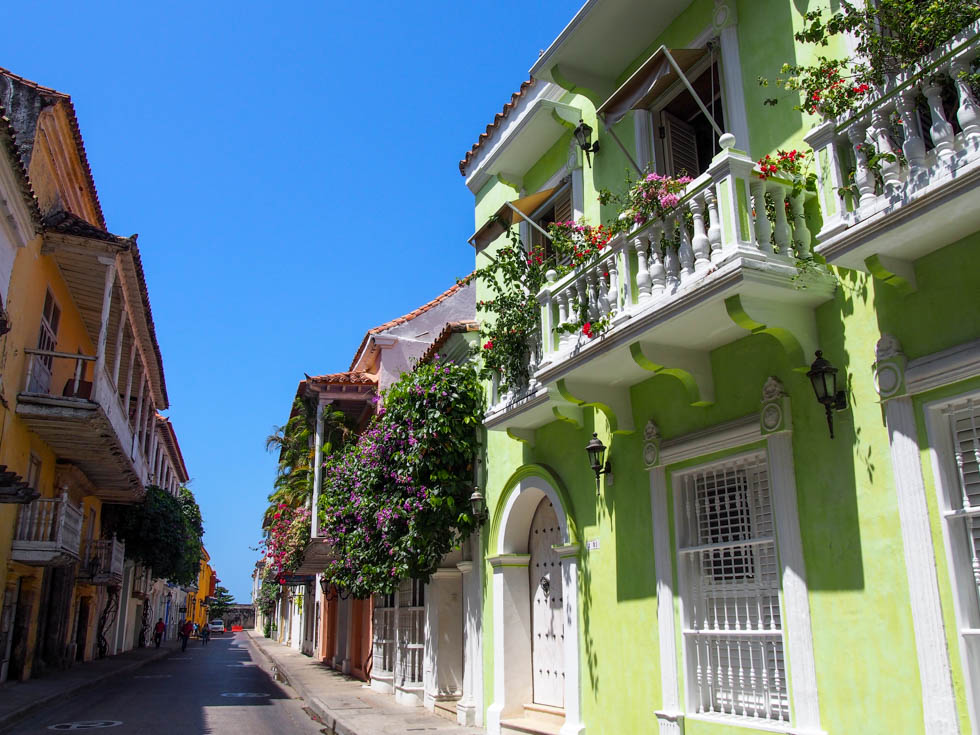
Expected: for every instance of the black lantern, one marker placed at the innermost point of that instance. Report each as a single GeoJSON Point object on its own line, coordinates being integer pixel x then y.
{"type": "Point", "coordinates": [479, 506]}
{"type": "Point", "coordinates": [597, 452]}
{"type": "Point", "coordinates": [823, 377]}
{"type": "Point", "coordinates": [583, 136]}
{"type": "Point", "coordinates": [325, 586]}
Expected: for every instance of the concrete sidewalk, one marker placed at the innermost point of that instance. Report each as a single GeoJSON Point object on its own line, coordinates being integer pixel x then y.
{"type": "Point", "coordinates": [345, 705]}
{"type": "Point", "coordinates": [18, 699]}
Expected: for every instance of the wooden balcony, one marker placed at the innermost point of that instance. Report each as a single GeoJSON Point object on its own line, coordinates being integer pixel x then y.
{"type": "Point", "coordinates": [881, 217]}
{"type": "Point", "coordinates": [102, 562]}
{"type": "Point", "coordinates": [317, 555]}
{"type": "Point", "coordinates": [73, 406]}
{"type": "Point", "coordinates": [48, 533]}
{"type": "Point", "coordinates": [717, 270]}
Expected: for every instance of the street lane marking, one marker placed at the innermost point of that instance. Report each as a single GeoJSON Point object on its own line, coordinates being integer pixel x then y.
{"type": "Point", "coordinates": [85, 725]}
{"type": "Point", "coordinates": [246, 694]}
{"type": "Point", "coordinates": [153, 676]}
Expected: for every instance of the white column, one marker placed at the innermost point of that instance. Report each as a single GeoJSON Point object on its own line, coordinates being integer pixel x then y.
{"type": "Point", "coordinates": [935, 676]}
{"type": "Point", "coordinates": [573, 681]}
{"type": "Point", "coordinates": [512, 685]}
{"type": "Point", "coordinates": [670, 715]}
{"type": "Point", "coordinates": [120, 332]}
{"type": "Point", "coordinates": [466, 706]}
{"type": "Point", "coordinates": [129, 376]}
{"type": "Point", "coordinates": [138, 421]}
{"type": "Point", "coordinates": [110, 276]}
{"type": "Point", "coordinates": [442, 670]}
{"type": "Point", "coordinates": [317, 461]}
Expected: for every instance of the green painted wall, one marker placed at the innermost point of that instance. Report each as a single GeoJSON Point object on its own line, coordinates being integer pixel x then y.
{"type": "Point", "coordinates": [866, 663]}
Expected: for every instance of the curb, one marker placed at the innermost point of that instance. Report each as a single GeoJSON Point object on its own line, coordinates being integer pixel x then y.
{"type": "Point", "coordinates": [9, 720]}
{"type": "Point", "coordinates": [327, 717]}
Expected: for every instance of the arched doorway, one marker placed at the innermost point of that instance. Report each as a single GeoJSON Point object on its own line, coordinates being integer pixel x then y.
{"type": "Point", "coordinates": [535, 607]}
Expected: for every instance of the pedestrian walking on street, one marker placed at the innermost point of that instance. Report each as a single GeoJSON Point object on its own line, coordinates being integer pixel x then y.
{"type": "Point", "coordinates": [158, 631]}
{"type": "Point", "coordinates": [185, 632]}
{"type": "Point", "coordinates": [205, 634]}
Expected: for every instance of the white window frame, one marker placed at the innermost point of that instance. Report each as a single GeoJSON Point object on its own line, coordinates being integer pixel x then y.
{"type": "Point", "coordinates": [410, 632]}
{"type": "Point", "coordinates": [757, 462]}
{"type": "Point", "coordinates": [732, 93]}
{"type": "Point", "coordinates": [958, 556]}
{"type": "Point", "coordinates": [383, 636]}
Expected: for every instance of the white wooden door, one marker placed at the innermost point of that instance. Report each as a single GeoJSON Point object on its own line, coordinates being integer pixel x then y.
{"type": "Point", "coordinates": [547, 621]}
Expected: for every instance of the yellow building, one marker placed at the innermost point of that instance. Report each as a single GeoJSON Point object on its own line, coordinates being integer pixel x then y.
{"type": "Point", "coordinates": [82, 380]}
{"type": "Point", "coordinates": [198, 606]}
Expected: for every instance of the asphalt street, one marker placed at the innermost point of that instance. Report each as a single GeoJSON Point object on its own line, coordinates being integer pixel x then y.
{"type": "Point", "coordinates": [219, 688]}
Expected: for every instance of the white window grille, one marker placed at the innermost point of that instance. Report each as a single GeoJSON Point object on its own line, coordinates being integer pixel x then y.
{"type": "Point", "coordinates": [384, 634]}
{"type": "Point", "coordinates": [732, 632]}
{"type": "Point", "coordinates": [411, 632]}
{"type": "Point", "coordinates": [963, 520]}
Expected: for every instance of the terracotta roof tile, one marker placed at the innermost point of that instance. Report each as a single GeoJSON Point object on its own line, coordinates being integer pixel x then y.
{"type": "Point", "coordinates": [71, 224]}
{"type": "Point", "coordinates": [354, 377]}
{"type": "Point", "coordinates": [497, 119]}
{"type": "Point", "coordinates": [409, 316]}
{"type": "Point", "coordinates": [9, 143]}
{"type": "Point", "coordinates": [57, 96]}
{"type": "Point", "coordinates": [451, 329]}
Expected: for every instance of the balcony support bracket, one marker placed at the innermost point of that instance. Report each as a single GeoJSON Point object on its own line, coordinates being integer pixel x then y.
{"type": "Point", "coordinates": [613, 402]}
{"type": "Point", "coordinates": [691, 367]}
{"type": "Point", "coordinates": [792, 325]}
{"type": "Point", "coordinates": [893, 271]}
{"type": "Point", "coordinates": [525, 436]}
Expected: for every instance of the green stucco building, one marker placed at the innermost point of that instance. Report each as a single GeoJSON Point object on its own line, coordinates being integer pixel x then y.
{"type": "Point", "coordinates": [737, 569]}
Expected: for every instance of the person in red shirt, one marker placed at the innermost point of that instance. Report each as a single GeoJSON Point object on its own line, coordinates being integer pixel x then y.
{"type": "Point", "coordinates": [158, 631]}
{"type": "Point", "coordinates": [185, 633]}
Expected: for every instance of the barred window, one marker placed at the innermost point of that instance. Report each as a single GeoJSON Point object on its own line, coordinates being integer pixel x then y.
{"type": "Point", "coordinates": [733, 633]}
{"type": "Point", "coordinates": [384, 634]}
{"type": "Point", "coordinates": [411, 632]}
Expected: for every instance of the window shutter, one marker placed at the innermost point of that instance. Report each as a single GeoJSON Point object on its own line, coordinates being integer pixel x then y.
{"type": "Point", "coordinates": [563, 206]}
{"type": "Point", "coordinates": [680, 146]}
{"type": "Point", "coordinates": [965, 427]}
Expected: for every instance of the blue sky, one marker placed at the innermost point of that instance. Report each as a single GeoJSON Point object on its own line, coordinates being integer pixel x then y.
{"type": "Point", "coordinates": [291, 169]}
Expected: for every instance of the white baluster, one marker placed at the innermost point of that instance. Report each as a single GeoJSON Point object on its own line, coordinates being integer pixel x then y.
{"type": "Point", "coordinates": [801, 233]}
{"type": "Point", "coordinates": [914, 147]}
{"type": "Point", "coordinates": [592, 292]}
{"type": "Point", "coordinates": [968, 114]}
{"type": "Point", "coordinates": [612, 295]}
{"type": "Point", "coordinates": [684, 249]}
{"type": "Point", "coordinates": [890, 170]}
{"type": "Point", "coordinates": [673, 266]}
{"type": "Point", "coordinates": [562, 299]}
{"type": "Point", "coordinates": [583, 307]}
{"type": "Point", "coordinates": [780, 228]}
{"type": "Point", "coordinates": [858, 134]}
{"type": "Point", "coordinates": [642, 275]}
{"type": "Point", "coordinates": [940, 131]}
{"type": "Point", "coordinates": [658, 274]}
{"type": "Point", "coordinates": [700, 244]}
{"type": "Point", "coordinates": [714, 223]}
{"type": "Point", "coordinates": [763, 230]}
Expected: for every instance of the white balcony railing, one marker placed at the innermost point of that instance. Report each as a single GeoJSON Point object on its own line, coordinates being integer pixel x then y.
{"type": "Point", "coordinates": [928, 120]}
{"type": "Point", "coordinates": [142, 582]}
{"type": "Point", "coordinates": [102, 561]}
{"type": "Point", "coordinates": [49, 531]}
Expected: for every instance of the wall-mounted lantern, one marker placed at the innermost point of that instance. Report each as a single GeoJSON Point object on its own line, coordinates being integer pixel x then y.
{"type": "Point", "coordinates": [583, 136]}
{"type": "Point", "coordinates": [823, 377]}
{"type": "Point", "coordinates": [479, 507]}
{"type": "Point", "coordinates": [597, 453]}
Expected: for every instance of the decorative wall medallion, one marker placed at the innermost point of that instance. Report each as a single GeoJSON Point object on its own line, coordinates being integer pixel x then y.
{"type": "Point", "coordinates": [775, 415]}
{"type": "Point", "coordinates": [722, 15]}
{"type": "Point", "coordinates": [651, 445]}
{"type": "Point", "coordinates": [889, 367]}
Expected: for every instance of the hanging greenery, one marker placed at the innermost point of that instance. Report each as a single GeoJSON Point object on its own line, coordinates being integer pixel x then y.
{"type": "Point", "coordinates": [269, 593]}
{"type": "Point", "coordinates": [163, 532]}
{"type": "Point", "coordinates": [286, 539]}
{"type": "Point", "coordinates": [395, 502]}
{"type": "Point", "coordinates": [892, 36]}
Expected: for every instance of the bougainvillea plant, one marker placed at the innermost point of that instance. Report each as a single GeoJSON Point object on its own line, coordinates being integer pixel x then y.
{"type": "Point", "coordinates": [287, 538]}
{"type": "Point", "coordinates": [395, 502]}
{"type": "Point", "coordinates": [650, 197]}
{"type": "Point", "coordinates": [891, 37]}
{"type": "Point", "coordinates": [794, 164]}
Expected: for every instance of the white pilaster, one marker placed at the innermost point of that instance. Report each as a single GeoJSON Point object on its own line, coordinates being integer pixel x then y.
{"type": "Point", "coordinates": [573, 681]}
{"type": "Point", "coordinates": [512, 685]}
{"type": "Point", "coordinates": [466, 706]}
{"type": "Point", "coordinates": [935, 675]}
{"type": "Point", "coordinates": [110, 277]}
{"type": "Point", "coordinates": [317, 461]}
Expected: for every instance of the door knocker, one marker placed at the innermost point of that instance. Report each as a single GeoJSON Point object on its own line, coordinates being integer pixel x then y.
{"type": "Point", "coordinates": [545, 585]}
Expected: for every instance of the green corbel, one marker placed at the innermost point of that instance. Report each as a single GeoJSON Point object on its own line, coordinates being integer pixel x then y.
{"type": "Point", "coordinates": [791, 325]}
{"type": "Point", "coordinates": [896, 273]}
{"type": "Point", "coordinates": [614, 403]}
{"type": "Point", "coordinates": [562, 121]}
{"type": "Point", "coordinates": [563, 409]}
{"type": "Point", "coordinates": [514, 181]}
{"type": "Point", "coordinates": [589, 85]}
{"type": "Point", "coordinates": [691, 368]}
{"type": "Point", "coordinates": [525, 436]}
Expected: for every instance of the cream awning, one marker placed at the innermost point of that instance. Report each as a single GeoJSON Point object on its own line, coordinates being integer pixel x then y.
{"type": "Point", "coordinates": [506, 216]}
{"type": "Point", "coordinates": [652, 79]}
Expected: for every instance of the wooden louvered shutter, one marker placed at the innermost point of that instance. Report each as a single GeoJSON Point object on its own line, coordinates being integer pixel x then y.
{"type": "Point", "coordinates": [680, 147]}
{"type": "Point", "coordinates": [563, 206]}
{"type": "Point", "coordinates": [965, 428]}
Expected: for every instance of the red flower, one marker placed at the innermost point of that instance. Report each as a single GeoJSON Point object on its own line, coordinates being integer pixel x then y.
{"type": "Point", "coordinates": [488, 345]}
{"type": "Point", "coordinates": [587, 330]}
